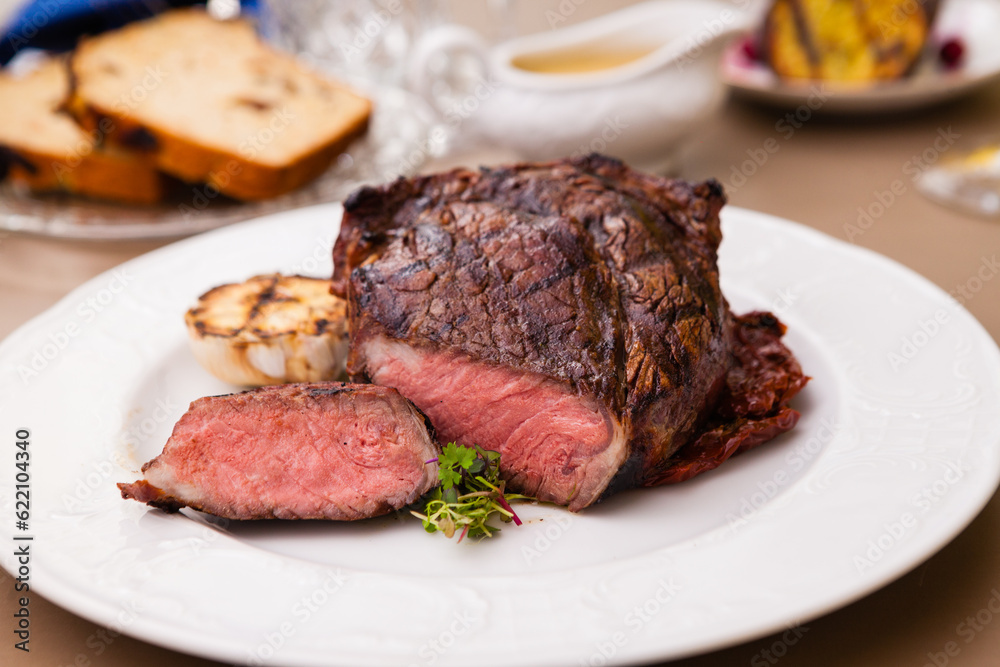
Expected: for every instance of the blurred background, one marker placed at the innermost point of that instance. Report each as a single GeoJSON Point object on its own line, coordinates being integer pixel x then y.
{"type": "Point", "coordinates": [906, 168]}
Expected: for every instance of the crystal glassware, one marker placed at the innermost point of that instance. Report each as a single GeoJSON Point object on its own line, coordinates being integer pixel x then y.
{"type": "Point", "coordinates": [364, 41]}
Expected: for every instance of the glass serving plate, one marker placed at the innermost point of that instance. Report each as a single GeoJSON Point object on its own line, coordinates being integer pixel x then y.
{"type": "Point", "coordinates": [396, 144]}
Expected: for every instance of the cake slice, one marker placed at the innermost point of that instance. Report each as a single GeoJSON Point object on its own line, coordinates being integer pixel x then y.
{"type": "Point", "coordinates": [209, 102]}
{"type": "Point", "coordinates": [43, 148]}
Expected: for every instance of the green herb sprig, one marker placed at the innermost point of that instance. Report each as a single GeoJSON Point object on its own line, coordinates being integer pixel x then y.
{"type": "Point", "coordinates": [470, 492]}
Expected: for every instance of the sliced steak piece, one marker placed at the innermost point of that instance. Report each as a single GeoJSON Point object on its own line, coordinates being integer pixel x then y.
{"type": "Point", "coordinates": [567, 314]}
{"type": "Point", "coordinates": [299, 451]}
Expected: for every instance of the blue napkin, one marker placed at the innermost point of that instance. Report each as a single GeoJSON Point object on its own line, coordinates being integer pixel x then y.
{"type": "Point", "coordinates": [56, 25]}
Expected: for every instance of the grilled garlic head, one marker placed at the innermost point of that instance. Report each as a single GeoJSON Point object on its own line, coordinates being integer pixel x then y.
{"type": "Point", "coordinates": [270, 329]}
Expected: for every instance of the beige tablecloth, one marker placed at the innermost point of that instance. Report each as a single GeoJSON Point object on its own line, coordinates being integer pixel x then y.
{"type": "Point", "coordinates": [823, 176]}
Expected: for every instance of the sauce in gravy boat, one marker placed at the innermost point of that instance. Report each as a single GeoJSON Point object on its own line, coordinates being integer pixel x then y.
{"type": "Point", "coordinates": [630, 84]}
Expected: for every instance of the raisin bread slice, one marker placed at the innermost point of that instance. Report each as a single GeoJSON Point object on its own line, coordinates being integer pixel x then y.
{"type": "Point", "coordinates": [43, 148]}
{"type": "Point", "coordinates": [209, 102]}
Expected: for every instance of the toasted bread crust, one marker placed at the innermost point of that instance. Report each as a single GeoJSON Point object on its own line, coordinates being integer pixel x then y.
{"type": "Point", "coordinates": [43, 150]}
{"type": "Point", "coordinates": [236, 168]}
{"type": "Point", "coordinates": [98, 175]}
{"type": "Point", "coordinates": [232, 174]}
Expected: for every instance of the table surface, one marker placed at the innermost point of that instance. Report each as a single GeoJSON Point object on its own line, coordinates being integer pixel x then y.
{"type": "Point", "coordinates": [821, 176]}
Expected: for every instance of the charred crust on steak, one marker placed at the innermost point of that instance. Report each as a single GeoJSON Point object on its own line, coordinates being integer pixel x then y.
{"type": "Point", "coordinates": [752, 404]}
{"type": "Point", "coordinates": [329, 389]}
{"type": "Point", "coordinates": [365, 195]}
{"type": "Point", "coordinates": [580, 270]}
{"type": "Point", "coordinates": [145, 492]}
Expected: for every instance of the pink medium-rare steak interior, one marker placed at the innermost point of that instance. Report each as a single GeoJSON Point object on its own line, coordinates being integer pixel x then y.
{"type": "Point", "coordinates": [556, 444]}
{"type": "Point", "coordinates": [309, 451]}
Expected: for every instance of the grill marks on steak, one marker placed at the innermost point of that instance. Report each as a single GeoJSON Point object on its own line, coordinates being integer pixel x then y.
{"type": "Point", "coordinates": [483, 284]}
{"type": "Point", "coordinates": [578, 287]}
{"type": "Point", "coordinates": [659, 238]}
{"type": "Point", "coordinates": [499, 285]}
{"type": "Point", "coordinates": [303, 451]}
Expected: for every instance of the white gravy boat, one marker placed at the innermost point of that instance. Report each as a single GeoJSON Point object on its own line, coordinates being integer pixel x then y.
{"type": "Point", "coordinates": [637, 111]}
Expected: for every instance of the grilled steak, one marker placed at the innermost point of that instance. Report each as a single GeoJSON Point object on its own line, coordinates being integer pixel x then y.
{"type": "Point", "coordinates": [566, 314]}
{"type": "Point", "coordinates": [300, 451]}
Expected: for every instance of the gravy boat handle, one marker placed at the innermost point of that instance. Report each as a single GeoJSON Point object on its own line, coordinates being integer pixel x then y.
{"type": "Point", "coordinates": [447, 40]}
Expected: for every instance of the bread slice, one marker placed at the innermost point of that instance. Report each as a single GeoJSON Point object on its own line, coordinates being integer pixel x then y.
{"type": "Point", "coordinates": [42, 147]}
{"type": "Point", "coordinates": [209, 102]}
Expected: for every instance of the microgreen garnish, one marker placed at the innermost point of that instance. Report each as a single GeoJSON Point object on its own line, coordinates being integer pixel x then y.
{"type": "Point", "coordinates": [470, 492]}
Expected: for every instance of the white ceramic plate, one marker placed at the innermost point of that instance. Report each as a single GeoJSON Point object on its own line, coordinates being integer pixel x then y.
{"type": "Point", "coordinates": [396, 143]}
{"type": "Point", "coordinates": [975, 22]}
{"type": "Point", "coordinates": [886, 466]}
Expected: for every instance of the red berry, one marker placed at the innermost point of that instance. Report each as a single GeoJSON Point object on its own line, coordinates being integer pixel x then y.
{"type": "Point", "coordinates": [749, 48]}
{"type": "Point", "coordinates": [952, 52]}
